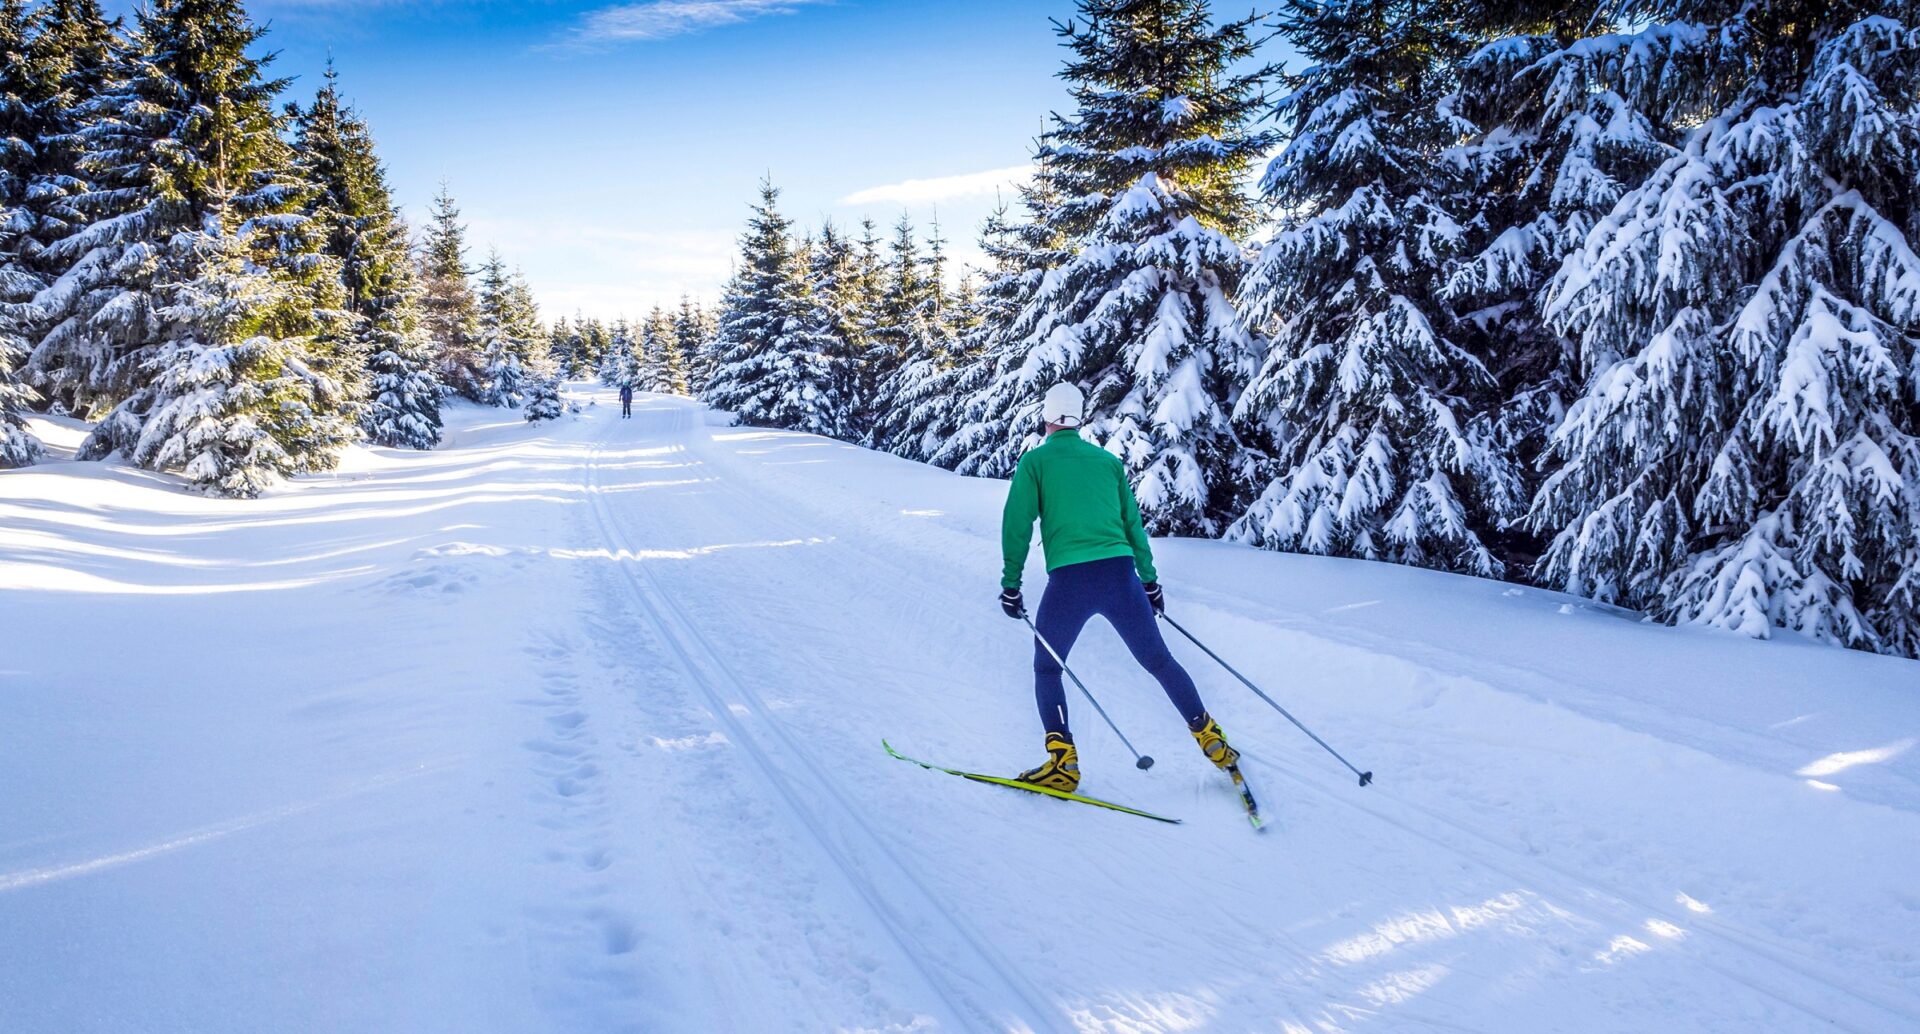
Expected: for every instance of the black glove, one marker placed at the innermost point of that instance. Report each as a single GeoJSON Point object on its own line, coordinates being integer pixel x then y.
{"type": "Point", "coordinates": [1156, 597]}
{"type": "Point", "coordinates": [1011, 602]}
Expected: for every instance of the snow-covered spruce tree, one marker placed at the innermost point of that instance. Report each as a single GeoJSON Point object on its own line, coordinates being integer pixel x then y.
{"type": "Point", "coordinates": [543, 369]}
{"type": "Point", "coordinates": [857, 386]}
{"type": "Point", "coordinates": [70, 54]}
{"type": "Point", "coordinates": [55, 63]}
{"type": "Point", "coordinates": [595, 340]}
{"type": "Point", "coordinates": [651, 363]}
{"type": "Point", "coordinates": [687, 340]}
{"type": "Point", "coordinates": [917, 400]}
{"type": "Point", "coordinates": [571, 346]}
{"type": "Point", "coordinates": [21, 123]}
{"type": "Point", "coordinates": [450, 316]}
{"type": "Point", "coordinates": [894, 335]}
{"type": "Point", "coordinates": [558, 335]}
{"type": "Point", "coordinates": [620, 367]}
{"type": "Point", "coordinates": [1558, 128]}
{"type": "Point", "coordinates": [1744, 454]}
{"type": "Point", "coordinates": [669, 369]}
{"type": "Point", "coordinates": [768, 369]}
{"type": "Point", "coordinates": [502, 373]}
{"type": "Point", "coordinates": [1150, 168]}
{"type": "Point", "coordinates": [228, 390]}
{"type": "Point", "coordinates": [219, 308]}
{"type": "Point", "coordinates": [354, 208]}
{"type": "Point", "coordinates": [543, 397]}
{"type": "Point", "coordinates": [94, 310]}
{"type": "Point", "coordinates": [835, 319]}
{"type": "Point", "coordinates": [523, 323]}
{"type": "Point", "coordinates": [1376, 422]}
{"type": "Point", "coordinates": [997, 414]}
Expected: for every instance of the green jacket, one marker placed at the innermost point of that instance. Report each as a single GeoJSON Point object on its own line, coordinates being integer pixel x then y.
{"type": "Point", "coordinates": [1086, 509]}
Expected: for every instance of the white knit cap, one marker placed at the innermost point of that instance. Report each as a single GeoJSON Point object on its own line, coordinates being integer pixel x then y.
{"type": "Point", "coordinates": [1064, 405]}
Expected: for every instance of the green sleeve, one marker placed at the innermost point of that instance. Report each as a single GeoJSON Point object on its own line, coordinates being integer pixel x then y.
{"type": "Point", "coordinates": [1136, 531]}
{"type": "Point", "coordinates": [1016, 523]}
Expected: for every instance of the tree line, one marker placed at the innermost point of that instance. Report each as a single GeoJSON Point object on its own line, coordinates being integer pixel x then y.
{"type": "Point", "coordinates": [222, 287]}
{"type": "Point", "coordinates": [1614, 297]}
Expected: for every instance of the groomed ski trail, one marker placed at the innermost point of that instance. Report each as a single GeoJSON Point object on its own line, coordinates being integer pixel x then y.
{"type": "Point", "coordinates": [977, 987]}
{"type": "Point", "coordinates": [1815, 994]}
{"type": "Point", "coordinates": [574, 727]}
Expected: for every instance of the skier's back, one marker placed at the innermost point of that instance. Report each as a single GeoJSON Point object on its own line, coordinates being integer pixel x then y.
{"type": "Point", "coordinates": [1099, 561]}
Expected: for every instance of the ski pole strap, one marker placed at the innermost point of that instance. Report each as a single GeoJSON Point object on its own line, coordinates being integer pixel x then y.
{"type": "Point", "coordinates": [1062, 661]}
{"type": "Point", "coordinates": [1365, 777]}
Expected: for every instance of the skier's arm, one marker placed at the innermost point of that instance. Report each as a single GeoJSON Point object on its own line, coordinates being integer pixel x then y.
{"type": "Point", "coordinates": [1136, 531]}
{"type": "Point", "coordinates": [1016, 523]}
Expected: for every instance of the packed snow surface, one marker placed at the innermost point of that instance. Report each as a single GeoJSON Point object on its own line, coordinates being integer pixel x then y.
{"type": "Point", "coordinates": [576, 727]}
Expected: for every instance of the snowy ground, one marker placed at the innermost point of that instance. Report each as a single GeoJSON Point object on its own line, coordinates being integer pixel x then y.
{"type": "Point", "coordinates": [577, 728]}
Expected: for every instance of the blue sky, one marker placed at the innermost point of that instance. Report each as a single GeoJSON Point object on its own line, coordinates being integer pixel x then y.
{"type": "Point", "coordinates": [611, 150]}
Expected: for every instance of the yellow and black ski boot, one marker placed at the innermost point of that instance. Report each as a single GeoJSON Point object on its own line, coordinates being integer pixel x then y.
{"type": "Point", "coordinates": [1213, 743]}
{"type": "Point", "coordinates": [1062, 770]}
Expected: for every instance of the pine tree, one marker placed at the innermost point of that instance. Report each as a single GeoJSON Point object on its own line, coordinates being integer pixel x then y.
{"type": "Point", "coordinates": [558, 336]}
{"type": "Point", "coordinates": [84, 356]}
{"type": "Point", "coordinates": [1149, 166]}
{"type": "Point", "coordinates": [652, 364]}
{"type": "Point", "coordinates": [1375, 417]}
{"type": "Point", "coordinates": [688, 339]}
{"type": "Point", "coordinates": [354, 207]}
{"type": "Point", "coordinates": [451, 316]}
{"type": "Point", "coordinates": [915, 400]}
{"type": "Point", "coordinates": [620, 367]}
{"type": "Point", "coordinates": [55, 65]}
{"type": "Point", "coordinates": [896, 336]}
{"type": "Point", "coordinates": [997, 411]}
{"type": "Point", "coordinates": [770, 370]}
{"type": "Point", "coordinates": [22, 88]}
{"type": "Point", "coordinates": [543, 398]}
{"type": "Point", "coordinates": [1744, 454]}
{"type": "Point", "coordinates": [525, 329]}
{"type": "Point", "coordinates": [669, 370]}
{"type": "Point", "coordinates": [70, 56]}
{"type": "Point", "coordinates": [502, 374]}
{"type": "Point", "coordinates": [543, 369]}
{"type": "Point", "coordinates": [1558, 128]}
{"type": "Point", "coordinates": [835, 322]}
{"type": "Point", "coordinates": [215, 310]}
{"type": "Point", "coordinates": [595, 339]}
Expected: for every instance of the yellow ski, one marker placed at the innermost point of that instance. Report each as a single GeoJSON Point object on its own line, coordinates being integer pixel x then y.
{"type": "Point", "coordinates": [1030, 788]}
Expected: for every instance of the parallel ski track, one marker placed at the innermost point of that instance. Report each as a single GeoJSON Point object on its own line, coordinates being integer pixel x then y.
{"type": "Point", "coordinates": [1625, 909]}
{"type": "Point", "coordinates": [1618, 903]}
{"type": "Point", "coordinates": [697, 658]}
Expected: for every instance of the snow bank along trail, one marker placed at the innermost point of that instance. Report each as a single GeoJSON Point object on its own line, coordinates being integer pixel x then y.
{"type": "Point", "coordinates": [577, 727]}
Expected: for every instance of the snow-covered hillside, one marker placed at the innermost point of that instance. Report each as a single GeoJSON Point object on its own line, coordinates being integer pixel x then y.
{"type": "Point", "coordinates": [577, 727]}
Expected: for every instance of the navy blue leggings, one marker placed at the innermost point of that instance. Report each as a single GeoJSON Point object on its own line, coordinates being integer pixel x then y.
{"type": "Point", "coordinates": [1111, 589]}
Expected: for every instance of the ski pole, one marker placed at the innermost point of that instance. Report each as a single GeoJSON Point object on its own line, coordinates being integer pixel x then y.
{"type": "Point", "coordinates": [1140, 761]}
{"type": "Point", "coordinates": [1365, 777]}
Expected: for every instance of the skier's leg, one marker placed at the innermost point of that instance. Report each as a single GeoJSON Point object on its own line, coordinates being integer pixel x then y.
{"type": "Point", "coordinates": [1124, 604]}
{"type": "Point", "coordinates": [1065, 607]}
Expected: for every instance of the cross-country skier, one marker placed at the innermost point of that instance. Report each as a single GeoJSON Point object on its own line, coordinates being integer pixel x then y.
{"type": "Point", "coordinates": [1098, 562]}
{"type": "Point", "coordinates": [626, 400]}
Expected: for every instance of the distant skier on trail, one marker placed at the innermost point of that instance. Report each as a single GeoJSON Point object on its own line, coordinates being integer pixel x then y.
{"type": "Point", "coordinates": [1098, 562]}
{"type": "Point", "coordinates": [626, 400]}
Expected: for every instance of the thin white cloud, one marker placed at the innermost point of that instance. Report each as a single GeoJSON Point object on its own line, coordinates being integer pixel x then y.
{"type": "Point", "coordinates": [942, 188]}
{"type": "Point", "coordinates": [662, 19]}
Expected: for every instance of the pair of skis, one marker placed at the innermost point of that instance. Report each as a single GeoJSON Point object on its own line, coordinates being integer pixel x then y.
{"type": "Point", "coordinates": [1239, 783]}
